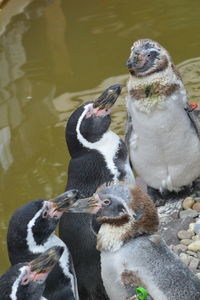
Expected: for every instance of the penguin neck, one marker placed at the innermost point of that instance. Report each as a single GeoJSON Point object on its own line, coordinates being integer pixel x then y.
{"type": "Point", "coordinates": [15, 286]}
{"type": "Point", "coordinates": [152, 92]}
{"type": "Point", "coordinates": [167, 76]}
{"type": "Point", "coordinates": [111, 237]}
{"type": "Point", "coordinates": [108, 145]}
{"type": "Point", "coordinates": [40, 230]}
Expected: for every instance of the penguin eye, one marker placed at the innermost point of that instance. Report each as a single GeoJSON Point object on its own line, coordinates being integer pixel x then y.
{"type": "Point", "coordinates": [152, 54]}
{"type": "Point", "coordinates": [45, 214]}
{"type": "Point", "coordinates": [107, 202]}
{"type": "Point", "coordinates": [25, 280]}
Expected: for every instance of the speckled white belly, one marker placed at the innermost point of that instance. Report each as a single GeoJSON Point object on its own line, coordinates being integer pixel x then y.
{"type": "Point", "coordinates": [113, 265]}
{"type": "Point", "coordinates": [165, 150]}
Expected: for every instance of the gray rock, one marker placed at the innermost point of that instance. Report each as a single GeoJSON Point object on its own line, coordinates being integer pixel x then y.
{"type": "Point", "coordinates": [188, 213]}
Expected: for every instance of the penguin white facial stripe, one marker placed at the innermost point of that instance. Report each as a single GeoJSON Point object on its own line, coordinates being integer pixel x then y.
{"type": "Point", "coordinates": [16, 284]}
{"type": "Point", "coordinates": [53, 240]}
{"type": "Point", "coordinates": [103, 146]}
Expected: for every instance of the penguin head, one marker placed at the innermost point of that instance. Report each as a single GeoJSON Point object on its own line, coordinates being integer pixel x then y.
{"type": "Point", "coordinates": [91, 120]}
{"type": "Point", "coordinates": [118, 204]}
{"type": "Point", "coordinates": [37, 219]}
{"type": "Point", "coordinates": [28, 279]}
{"type": "Point", "coordinates": [147, 57]}
{"type": "Point", "coordinates": [122, 203]}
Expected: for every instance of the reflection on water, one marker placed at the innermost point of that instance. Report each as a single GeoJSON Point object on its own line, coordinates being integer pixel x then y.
{"type": "Point", "coordinates": [54, 55]}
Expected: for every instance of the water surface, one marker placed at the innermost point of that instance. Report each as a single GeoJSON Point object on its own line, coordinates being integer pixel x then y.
{"type": "Point", "coordinates": [54, 55]}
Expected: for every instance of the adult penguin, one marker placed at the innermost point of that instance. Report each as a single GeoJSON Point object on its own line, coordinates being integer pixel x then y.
{"type": "Point", "coordinates": [98, 156]}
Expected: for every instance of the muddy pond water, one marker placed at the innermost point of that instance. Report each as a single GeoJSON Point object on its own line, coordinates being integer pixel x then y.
{"type": "Point", "coordinates": [54, 55]}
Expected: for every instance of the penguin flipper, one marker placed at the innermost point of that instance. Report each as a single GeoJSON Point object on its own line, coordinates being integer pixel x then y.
{"type": "Point", "coordinates": [194, 115]}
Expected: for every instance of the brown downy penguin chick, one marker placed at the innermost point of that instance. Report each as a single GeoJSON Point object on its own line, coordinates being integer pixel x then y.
{"type": "Point", "coordinates": [128, 241]}
{"type": "Point", "coordinates": [163, 133]}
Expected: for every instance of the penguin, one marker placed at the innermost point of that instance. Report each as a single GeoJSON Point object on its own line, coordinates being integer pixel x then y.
{"type": "Point", "coordinates": [162, 132]}
{"type": "Point", "coordinates": [31, 232]}
{"type": "Point", "coordinates": [98, 155]}
{"type": "Point", "coordinates": [132, 250]}
{"type": "Point", "coordinates": [27, 280]}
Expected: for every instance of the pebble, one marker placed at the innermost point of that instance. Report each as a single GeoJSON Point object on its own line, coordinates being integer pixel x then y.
{"type": "Point", "coordinates": [191, 253]}
{"type": "Point", "coordinates": [194, 246]}
{"type": "Point", "coordinates": [188, 213]}
{"type": "Point", "coordinates": [179, 248]}
{"type": "Point", "coordinates": [194, 262]}
{"type": "Point", "coordinates": [191, 231]}
{"type": "Point", "coordinates": [196, 206]}
{"type": "Point", "coordinates": [186, 241]}
{"type": "Point", "coordinates": [197, 228]}
{"type": "Point", "coordinates": [185, 258]}
{"type": "Point", "coordinates": [188, 203]}
{"type": "Point", "coordinates": [183, 234]}
{"type": "Point", "coordinates": [191, 226]}
{"type": "Point", "coordinates": [196, 238]}
{"type": "Point", "coordinates": [198, 275]}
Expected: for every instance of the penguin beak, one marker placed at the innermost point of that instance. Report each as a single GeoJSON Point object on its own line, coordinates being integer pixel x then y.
{"type": "Point", "coordinates": [64, 201]}
{"type": "Point", "coordinates": [89, 205]}
{"type": "Point", "coordinates": [103, 104]}
{"type": "Point", "coordinates": [135, 61]}
{"type": "Point", "coordinates": [44, 263]}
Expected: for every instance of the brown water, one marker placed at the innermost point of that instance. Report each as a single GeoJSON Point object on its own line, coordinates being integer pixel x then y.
{"type": "Point", "coordinates": [54, 55]}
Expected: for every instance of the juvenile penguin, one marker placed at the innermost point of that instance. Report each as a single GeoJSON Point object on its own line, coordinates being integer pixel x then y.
{"type": "Point", "coordinates": [26, 281]}
{"type": "Point", "coordinates": [31, 232]}
{"type": "Point", "coordinates": [98, 155]}
{"type": "Point", "coordinates": [162, 131]}
{"type": "Point", "coordinates": [130, 246]}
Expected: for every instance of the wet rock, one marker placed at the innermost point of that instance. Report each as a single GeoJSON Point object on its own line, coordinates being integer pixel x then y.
{"type": "Point", "coordinates": [188, 213]}
{"type": "Point", "coordinates": [193, 265]}
{"type": "Point", "coordinates": [185, 258]}
{"type": "Point", "coordinates": [196, 206]}
{"type": "Point", "coordinates": [183, 234]}
{"type": "Point", "coordinates": [187, 203]}
{"type": "Point", "coordinates": [194, 246]}
{"type": "Point", "coordinates": [186, 242]}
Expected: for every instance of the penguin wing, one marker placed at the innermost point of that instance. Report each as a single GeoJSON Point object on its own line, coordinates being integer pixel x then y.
{"type": "Point", "coordinates": [194, 115]}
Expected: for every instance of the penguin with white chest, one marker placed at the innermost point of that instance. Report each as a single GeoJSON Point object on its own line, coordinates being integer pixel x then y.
{"type": "Point", "coordinates": [98, 155]}
{"type": "Point", "coordinates": [31, 232]}
{"type": "Point", "coordinates": [131, 249]}
{"type": "Point", "coordinates": [162, 133]}
{"type": "Point", "coordinates": [26, 281]}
